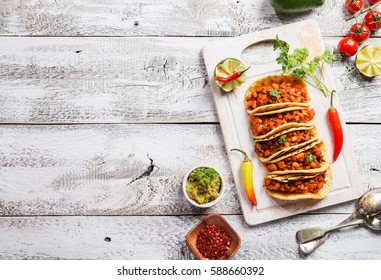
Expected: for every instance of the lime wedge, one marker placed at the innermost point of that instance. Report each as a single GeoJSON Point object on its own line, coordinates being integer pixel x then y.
{"type": "Point", "coordinates": [368, 61]}
{"type": "Point", "coordinates": [226, 68]}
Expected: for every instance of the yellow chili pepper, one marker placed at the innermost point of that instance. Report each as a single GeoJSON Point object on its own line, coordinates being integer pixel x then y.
{"type": "Point", "coordinates": [247, 177]}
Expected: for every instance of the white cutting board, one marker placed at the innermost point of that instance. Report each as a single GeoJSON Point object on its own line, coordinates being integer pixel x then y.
{"type": "Point", "coordinates": [234, 122]}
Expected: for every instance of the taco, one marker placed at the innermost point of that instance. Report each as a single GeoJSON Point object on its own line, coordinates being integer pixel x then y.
{"type": "Point", "coordinates": [284, 142]}
{"type": "Point", "coordinates": [310, 159]}
{"type": "Point", "coordinates": [315, 186]}
{"type": "Point", "coordinates": [276, 92]}
{"type": "Point", "coordinates": [262, 127]}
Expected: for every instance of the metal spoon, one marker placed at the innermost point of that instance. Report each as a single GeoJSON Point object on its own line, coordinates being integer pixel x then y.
{"type": "Point", "coordinates": [369, 204]}
{"type": "Point", "coordinates": [363, 208]}
{"type": "Point", "coordinates": [310, 246]}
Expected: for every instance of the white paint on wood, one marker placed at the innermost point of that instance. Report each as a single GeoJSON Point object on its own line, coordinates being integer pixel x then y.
{"type": "Point", "coordinates": [118, 80]}
{"type": "Point", "coordinates": [89, 169]}
{"type": "Point", "coordinates": [163, 237]}
{"type": "Point", "coordinates": [158, 18]}
{"type": "Point", "coordinates": [106, 169]}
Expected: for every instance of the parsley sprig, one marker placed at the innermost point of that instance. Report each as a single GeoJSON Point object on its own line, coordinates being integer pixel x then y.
{"type": "Point", "coordinates": [293, 63]}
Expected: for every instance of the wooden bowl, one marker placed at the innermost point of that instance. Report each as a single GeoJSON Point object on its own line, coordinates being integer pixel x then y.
{"type": "Point", "coordinates": [216, 219]}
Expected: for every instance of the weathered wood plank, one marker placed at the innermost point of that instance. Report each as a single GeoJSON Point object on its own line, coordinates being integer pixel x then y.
{"type": "Point", "coordinates": [103, 80]}
{"type": "Point", "coordinates": [107, 169]}
{"type": "Point", "coordinates": [152, 237]}
{"type": "Point", "coordinates": [118, 80]}
{"type": "Point", "coordinates": [157, 18]}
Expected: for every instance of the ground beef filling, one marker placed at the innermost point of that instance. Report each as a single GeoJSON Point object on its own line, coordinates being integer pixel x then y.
{"type": "Point", "coordinates": [301, 186]}
{"type": "Point", "coordinates": [268, 148]}
{"type": "Point", "coordinates": [289, 92]}
{"type": "Point", "coordinates": [310, 159]}
{"type": "Point", "coordinates": [260, 125]}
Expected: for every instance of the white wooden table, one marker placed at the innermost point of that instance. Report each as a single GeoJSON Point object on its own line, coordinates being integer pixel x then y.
{"type": "Point", "coordinates": [106, 104]}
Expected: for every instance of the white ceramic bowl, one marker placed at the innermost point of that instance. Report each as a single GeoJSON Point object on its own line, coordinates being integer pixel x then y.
{"type": "Point", "coordinates": [209, 204]}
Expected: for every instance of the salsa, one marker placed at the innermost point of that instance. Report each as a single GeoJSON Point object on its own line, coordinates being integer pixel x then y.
{"type": "Point", "coordinates": [293, 138]}
{"type": "Point", "coordinates": [299, 186]}
{"type": "Point", "coordinates": [203, 185]}
{"type": "Point", "coordinates": [261, 125]}
{"type": "Point", "coordinates": [287, 92]}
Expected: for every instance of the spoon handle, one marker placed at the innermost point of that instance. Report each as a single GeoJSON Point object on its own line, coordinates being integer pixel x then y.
{"type": "Point", "coordinates": [309, 234]}
{"type": "Point", "coordinates": [311, 246]}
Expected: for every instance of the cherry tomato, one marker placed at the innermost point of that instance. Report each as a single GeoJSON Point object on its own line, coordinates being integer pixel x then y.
{"type": "Point", "coordinates": [353, 6]}
{"type": "Point", "coordinates": [373, 20]}
{"type": "Point", "coordinates": [359, 32]}
{"type": "Point", "coordinates": [348, 46]}
{"type": "Point", "coordinates": [372, 2]}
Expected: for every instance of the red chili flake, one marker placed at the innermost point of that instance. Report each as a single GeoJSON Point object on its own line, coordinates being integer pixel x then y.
{"type": "Point", "coordinates": [213, 242]}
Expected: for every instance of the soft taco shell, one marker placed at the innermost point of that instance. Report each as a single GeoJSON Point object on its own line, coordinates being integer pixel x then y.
{"type": "Point", "coordinates": [303, 121]}
{"type": "Point", "coordinates": [293, 89]}
{"type": "Point", "coordinates": [320, 194]}
{"type": "Point", "coordinates": [273, 142]}
{"type": "Point", "coordinates": [280, 110]}
{"type": "Point", "coordinates": [324, 160]}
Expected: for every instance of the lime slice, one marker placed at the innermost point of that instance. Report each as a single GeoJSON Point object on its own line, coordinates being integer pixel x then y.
{"type": "Point", "coordinates": [368, 61]}
{"type": "Point", "coordinates": [226, 68]}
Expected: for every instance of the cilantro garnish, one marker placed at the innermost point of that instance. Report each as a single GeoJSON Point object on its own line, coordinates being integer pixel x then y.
{"type": "Point", "coordinates": [274, 92]}
{"type": "Point", "coordinates": [310, 157]}
{"type": "Point", "coordinates": [282, 139]}
{"type": "Point", "coordinates": [293, 63]}
{"type": "Point", "coordinates": [205, 175]}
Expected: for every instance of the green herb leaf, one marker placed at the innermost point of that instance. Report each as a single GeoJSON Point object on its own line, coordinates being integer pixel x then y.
{"type": "Point", "coordinates": [282, 61]}
{"type": "Point", "coordinates": [205, 175]}
{"type": "Point", "coordinates": [274, 92]}
{"type": "Point", "coordinates": [282, 139]}
{"type": "Point", "coordinates": [327, 57]}
{"type": "Point", "coordinates": [297, 57]}
{"type": "Point", "coordinates": [294, 63]}
{"type": "Point", "coordinates": [299, 72]}
{"type": "Point", "coordinates": [310, 157]}
{"type": "Point", "coordinates": [280, 44]}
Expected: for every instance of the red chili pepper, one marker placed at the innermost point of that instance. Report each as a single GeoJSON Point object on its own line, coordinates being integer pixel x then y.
{"type": "Point", "coordinates": [337, 130]}
{"type": "Point", "coordinates": [232, 77]}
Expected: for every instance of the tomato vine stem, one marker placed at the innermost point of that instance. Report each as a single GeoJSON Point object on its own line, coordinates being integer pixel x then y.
{"type": "Point", "coordinates": [362, 11]}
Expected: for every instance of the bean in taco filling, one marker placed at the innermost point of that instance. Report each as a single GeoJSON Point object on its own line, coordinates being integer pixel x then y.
{"type": "Point", "coordinates": [260, 125]}
{"type": "Point", "coordinates": [274, 92]}
{"type": "Point", "coordinates": [268, 148]}
{"type": "Point", "coordinates": [310, 159]}
{"type": "Point", "coordinates": [300, 186]}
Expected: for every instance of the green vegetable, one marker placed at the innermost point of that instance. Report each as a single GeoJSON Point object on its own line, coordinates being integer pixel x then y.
{"type": "Point", "coordinates": [282, 139]}
{"type": "Point", "coordinates": [293, 63]}
{"type": "Point", "coordinates": [310, 157]}
{"type": "Point", "coordinates": [295, 6]}
{"type": "Point", "coordinates": [205, 175]}
{"type": "Point", "coordinates": [274, 93]}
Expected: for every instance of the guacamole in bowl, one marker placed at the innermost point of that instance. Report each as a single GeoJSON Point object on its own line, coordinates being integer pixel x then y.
{"type": "Point", "coordinates": [203, 186]}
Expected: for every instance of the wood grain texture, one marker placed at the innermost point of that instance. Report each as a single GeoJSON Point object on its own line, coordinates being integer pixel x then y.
{"type": "Point", "coordinates": [157, 18]}
{"type": "Point", "coordinates": [128, 80]}
{"type": "Point", "coordinates": [134, 169]}
{"type": "Point", "coordinates": [147, 237]}
{"type": "Point", "coordinates": [115, 177]}
{"type": "Point", "coordinates": [103, 80]}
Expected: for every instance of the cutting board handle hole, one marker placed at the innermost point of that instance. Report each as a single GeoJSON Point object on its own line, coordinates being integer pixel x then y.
{"type": "Point", "coordinates": [260, 53]}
